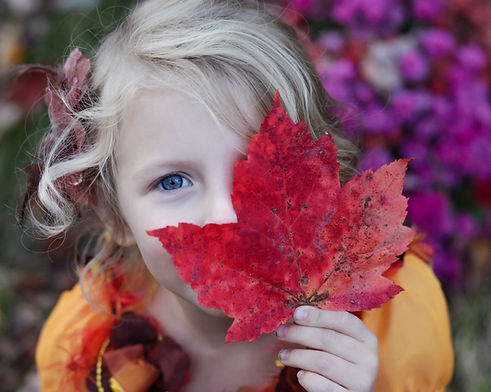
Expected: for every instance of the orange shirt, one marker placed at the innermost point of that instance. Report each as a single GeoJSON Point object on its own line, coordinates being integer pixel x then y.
{"type": "Point", "coordinates": [413, 332]}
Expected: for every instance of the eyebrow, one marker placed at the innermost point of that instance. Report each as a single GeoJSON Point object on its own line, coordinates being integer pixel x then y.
{"type": "Point", "coordinates": [149, 169]}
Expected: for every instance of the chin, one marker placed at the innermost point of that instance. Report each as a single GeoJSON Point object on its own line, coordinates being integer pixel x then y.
{"type": "Point", "coordinates": [214, 312]}
{"type": "Point", "coordinates": [170, 281]}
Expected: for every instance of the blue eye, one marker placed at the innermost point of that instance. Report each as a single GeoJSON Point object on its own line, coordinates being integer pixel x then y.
{"type": "Point", "coordinates": [174, 181]}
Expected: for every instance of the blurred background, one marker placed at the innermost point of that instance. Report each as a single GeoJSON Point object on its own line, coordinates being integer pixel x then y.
{"type": "Point", "coordinates": [413, 77]}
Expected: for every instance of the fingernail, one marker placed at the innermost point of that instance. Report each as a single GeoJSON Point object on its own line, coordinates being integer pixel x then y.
{"type": "Point", "coordinates": [278, 363]}
{"type": "Point", "coordinates": [283, 355]}
{"type": "Point", "coordinates": [301, 314]}
{"type": "Point", "coordinates": [281, 331]}
{"type": "Point", "coordinates": [300, 374]}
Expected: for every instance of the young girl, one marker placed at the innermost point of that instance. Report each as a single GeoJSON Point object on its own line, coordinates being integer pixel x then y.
{"type": "Point", "coordinates": [150, 140]}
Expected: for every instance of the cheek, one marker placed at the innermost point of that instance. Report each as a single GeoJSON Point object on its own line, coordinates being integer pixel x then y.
{"type": "Point", "coordinates": [158, 261]}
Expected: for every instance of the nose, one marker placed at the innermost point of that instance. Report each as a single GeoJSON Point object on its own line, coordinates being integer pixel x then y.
{"type": "Point", "coordinates": [219, 209]}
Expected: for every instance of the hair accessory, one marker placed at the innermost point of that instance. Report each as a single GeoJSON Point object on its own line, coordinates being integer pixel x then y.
{"type": "Point", "coordinates": [65, 90]}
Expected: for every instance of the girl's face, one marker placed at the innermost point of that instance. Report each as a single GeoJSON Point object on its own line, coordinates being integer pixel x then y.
{"type": "Point", "coordinates": [175, 164]}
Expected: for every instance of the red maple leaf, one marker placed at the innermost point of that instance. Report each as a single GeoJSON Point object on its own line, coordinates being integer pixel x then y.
{"type": "Point", "coordinates": [300, 238]}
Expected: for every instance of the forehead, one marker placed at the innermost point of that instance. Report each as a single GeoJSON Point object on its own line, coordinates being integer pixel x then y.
{"type": "Point", "coordinates": [173, 125]}
{"type": "Point", "coordinates": [235, 104]}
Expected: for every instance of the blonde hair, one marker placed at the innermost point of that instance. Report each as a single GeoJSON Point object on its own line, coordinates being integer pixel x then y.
{"type": "Point", "coordinates": [217, 51]}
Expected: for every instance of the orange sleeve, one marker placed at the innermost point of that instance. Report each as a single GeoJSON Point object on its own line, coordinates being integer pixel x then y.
{"type": "Point", "coordinates": [413, 331]}
{"type": "Point", "coordinates": [62, 358]}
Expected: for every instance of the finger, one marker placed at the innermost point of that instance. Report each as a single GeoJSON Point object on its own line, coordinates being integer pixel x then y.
{"type": "Point", "coordinates": [325, 364]}
{"type": "Point", "coordinates": [340, 321]}
{"type": "Point", "coordinates": [313, 382]}
{"type": "Point", "coordinates": [328, 340]}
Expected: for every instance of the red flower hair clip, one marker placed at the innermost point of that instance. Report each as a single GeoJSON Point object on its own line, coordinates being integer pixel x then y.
{"type": "Point", "coordinates": [65, 90]}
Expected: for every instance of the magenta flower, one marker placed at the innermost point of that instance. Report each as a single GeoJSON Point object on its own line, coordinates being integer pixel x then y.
{"type": "Point", "coordinates": [472, 57]}
{"type": "Point", "coordinates": [427, 128]}
{"type": "Point", "coordinates": [344, 12]}
{"type": "Point", "coordinates": [482, 113]}
{"type": "Point", "coordinates": [343, 69]}
{"type": "Point", "coordinates": [363, 93]}
{"type": "Point", "coordinates": [425, 176]}
{"type": "Point", "coordinates": [456, 77]}
{"type": "Point", "coordinates": [374, 158]}
{"type": "Point", "coordinates": [448, 267]}
{"type": "Point", "coordinates": [417, 149]}
{"type": "Point", "coordinates": [437, 43]}
{"type": "Point", "coordinates": [479, 155]}
{"type": "Point", "coordinates": [374, 11]}
{"type": "Point", "coordinates": [472, 102]}
{"type": "Point", "coordinates": [378, 120]}
{"type": "Point", "coordinates": [428, 10]}
{"type": "Point", "coordinates": [413, 66]}
{"type": "Point", "coordinates": [338, 77]}
{"type": "Point", "coordinates": [333, 41]}
{"type": "Point", "coordinates": [449, 178]}
{"type": "Point", "coordinates": [301, 6]}
{"type": "Point", "coordinates": [408, 105]}
{"type": "Point", "coordinates": [454, 155]}
{"type": "Point", "coordinates": [442, 109]}
{"type": "Point", "coordinates": [466, 226]}
{"type": "Point", "coordinates": [314, 9]}
{"type": "Point", "coordinates": [430, 212]}
{"type": "Point", "coordinates": [366, 18]}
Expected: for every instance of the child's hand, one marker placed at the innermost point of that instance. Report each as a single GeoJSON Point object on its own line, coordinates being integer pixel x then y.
{"type": "Point", "coordinates": [342, 352]}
